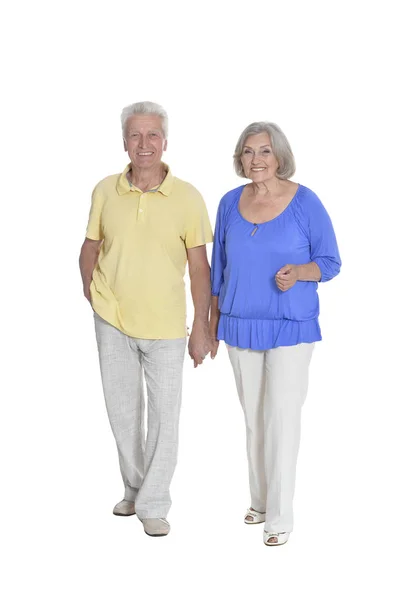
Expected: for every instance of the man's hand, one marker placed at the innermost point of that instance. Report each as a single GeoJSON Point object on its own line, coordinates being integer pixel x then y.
{"type": "Point", "coordinates": [199, 344]}
{"type": "Point", "coordinates": [87, 294]}
{"type": "Point", "coordinates": [287, 277]}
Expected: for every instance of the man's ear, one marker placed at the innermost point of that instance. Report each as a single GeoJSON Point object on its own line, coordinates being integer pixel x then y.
{"type": "Point", "coordinates": [165, 146]}
{"type": "Point", "coordinates": [124, 145]}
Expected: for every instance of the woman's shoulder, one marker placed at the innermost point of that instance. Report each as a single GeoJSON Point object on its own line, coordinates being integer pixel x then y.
{"type": "Point", "coordinates": [307, 200]}
{"type": "Point", "coordinates": [229, 199]}
{"type": "Point", "coordinates": [306, 194]}
{"type": "Point", "coordinates": [232, 195]}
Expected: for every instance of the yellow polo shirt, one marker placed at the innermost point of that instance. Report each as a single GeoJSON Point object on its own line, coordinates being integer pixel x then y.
{"type": "Point", "coordinates": [138, 283]}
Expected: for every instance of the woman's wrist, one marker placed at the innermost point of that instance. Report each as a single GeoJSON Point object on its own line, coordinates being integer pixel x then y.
{"type": "Point", "coordinates": [308, 272]}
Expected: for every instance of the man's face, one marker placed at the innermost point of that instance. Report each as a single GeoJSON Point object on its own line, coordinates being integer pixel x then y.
{"type": "Point", "coordinates": [144, 140]}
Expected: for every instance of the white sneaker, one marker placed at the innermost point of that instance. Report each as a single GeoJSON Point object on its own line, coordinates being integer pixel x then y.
{"type": "Point", "coordinates": [124, 509]}
{"type": "Point", "coordinates": [156, 527]}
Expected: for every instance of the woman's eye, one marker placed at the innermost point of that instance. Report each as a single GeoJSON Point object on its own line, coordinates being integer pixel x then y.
{"type": "Point", "coordinates": [266, 151]}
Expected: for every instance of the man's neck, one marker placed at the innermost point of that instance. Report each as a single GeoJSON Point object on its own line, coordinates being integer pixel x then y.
{"type": "Point", "coordinates": [147, 179]}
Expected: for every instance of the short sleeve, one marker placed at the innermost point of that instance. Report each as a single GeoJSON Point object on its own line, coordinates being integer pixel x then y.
{"type": "Point", "coordinates": [198, 230]}
{"type": "Point", "coordinates": [94, 230]}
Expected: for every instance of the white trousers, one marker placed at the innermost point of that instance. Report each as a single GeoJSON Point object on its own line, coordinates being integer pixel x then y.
{"type": "Point", "coordinates": [272, 387]}
{"type": "Point", "coordinates": [147, 465]}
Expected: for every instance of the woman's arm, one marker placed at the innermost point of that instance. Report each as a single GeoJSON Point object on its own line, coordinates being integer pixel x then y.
{"type": "Point", "coordinates": [325, 260]}
{"type": "Point", "coordinates": [323, 243]}
{"type": "Point", "coordinates": [217, 269]}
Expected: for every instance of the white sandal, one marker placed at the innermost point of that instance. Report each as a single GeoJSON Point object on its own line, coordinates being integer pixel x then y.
{"type": "Point", "coordinates": [282, 538]}
{"type": "Point", "coordinates": [257, 517]}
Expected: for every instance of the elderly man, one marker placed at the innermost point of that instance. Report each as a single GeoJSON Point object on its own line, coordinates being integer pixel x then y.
{"type": "Point", "coordinates": [144, 225]}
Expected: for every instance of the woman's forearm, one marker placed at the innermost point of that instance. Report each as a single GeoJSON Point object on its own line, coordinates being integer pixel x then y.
{"type": "Point", "coordinates": [309, 272]}
{"type": "Point", "coordinates": [215, 314]}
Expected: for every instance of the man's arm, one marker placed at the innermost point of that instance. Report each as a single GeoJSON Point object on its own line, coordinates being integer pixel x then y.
{"type": "Point", "coordinates": [199, 271]}
{"type": "Point", "coordinates": [87, 261]}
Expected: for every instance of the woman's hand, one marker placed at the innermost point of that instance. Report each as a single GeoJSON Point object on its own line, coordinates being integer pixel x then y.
{"type": "Point", "coordinates": [287, 277]}
{"type": "Point", "coordinates": [199, 344]}
{"type": "Point", "coordinates": [214, 347]}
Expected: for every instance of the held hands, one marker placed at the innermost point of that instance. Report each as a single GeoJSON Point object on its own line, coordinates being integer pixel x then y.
{"type": "Point", "coordinates": [199, 344]}
{"type": "Point", "coordinates": [287, 277]}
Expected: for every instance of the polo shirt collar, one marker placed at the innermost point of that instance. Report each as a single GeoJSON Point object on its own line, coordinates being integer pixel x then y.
{"type": "Point", "coordinates": [123, 186]}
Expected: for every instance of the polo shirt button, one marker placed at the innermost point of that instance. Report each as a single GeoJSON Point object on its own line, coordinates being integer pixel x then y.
{"type": "Point", "coordinates": [140, 210]}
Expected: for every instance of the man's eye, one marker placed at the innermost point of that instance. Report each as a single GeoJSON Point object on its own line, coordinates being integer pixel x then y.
{"type": "Point", "coordinates": [266, 151]}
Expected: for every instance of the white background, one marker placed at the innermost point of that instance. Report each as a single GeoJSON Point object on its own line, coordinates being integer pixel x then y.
{"type": "Point", "coordinates": [325, 72]}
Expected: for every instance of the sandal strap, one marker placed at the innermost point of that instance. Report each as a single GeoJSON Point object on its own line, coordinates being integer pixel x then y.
{"type": "Point", "coordinates": [253, 513]}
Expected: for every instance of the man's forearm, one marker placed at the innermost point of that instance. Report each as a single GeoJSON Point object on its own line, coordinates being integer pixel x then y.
{"type": "Point", "coordinates": [201, 294]}
{"type": "Point", "coordinates": [309, 272]}
{"type": "Point", "coordinates": [87, 262]}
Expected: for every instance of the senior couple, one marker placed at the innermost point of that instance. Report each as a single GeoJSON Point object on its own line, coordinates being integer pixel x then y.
{"type": "Point", "coordinates": [273, 243]}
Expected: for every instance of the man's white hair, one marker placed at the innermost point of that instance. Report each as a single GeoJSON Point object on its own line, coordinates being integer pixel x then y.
{"type": "Point", "coordinates": [145, 108]}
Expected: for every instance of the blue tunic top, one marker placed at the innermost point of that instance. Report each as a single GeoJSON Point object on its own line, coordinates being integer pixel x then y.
{"type": "Point", "coordinates": [254, 313]}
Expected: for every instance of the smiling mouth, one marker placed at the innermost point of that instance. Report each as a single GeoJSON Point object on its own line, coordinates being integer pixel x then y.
{"type": "Point", "coordinates": [145, 153]}
{"type": "Point", "coordinates": [258, 168]}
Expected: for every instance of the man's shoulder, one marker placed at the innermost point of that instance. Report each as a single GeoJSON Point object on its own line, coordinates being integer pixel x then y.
{"type": "Point", "coordinates": [108, 183]}
{"type": "Point", "coordinates": [182, 185]}
{"type": "Point", "coordinates": [186, 191]}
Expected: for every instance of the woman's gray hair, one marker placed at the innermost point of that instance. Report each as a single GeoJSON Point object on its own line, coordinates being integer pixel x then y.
{"type": "Point", "coordinates": [280, 147]}
{"type": "Point", "coordinates": [145, 108]}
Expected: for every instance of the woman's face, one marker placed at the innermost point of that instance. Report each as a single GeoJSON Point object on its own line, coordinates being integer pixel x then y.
{"type": "Point", "coordinates": [258, 160]}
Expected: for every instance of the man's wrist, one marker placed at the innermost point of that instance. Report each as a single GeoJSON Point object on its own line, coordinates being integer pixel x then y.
{"type": "Point", "coordinates": [201, 322]}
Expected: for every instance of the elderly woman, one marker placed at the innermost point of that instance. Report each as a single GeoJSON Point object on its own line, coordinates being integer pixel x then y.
{"type": "Point", "coordinates": [274, 242]}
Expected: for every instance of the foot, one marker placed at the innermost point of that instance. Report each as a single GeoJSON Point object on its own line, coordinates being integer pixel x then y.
{"type": "Point", "coordinates": [275, 539]}
{"type": "Point", "coordinates": [253, 516]}
{"type": "Point", "coordinates": [156, 527]}
{"type": "Point", "coordinates": [125, 508]}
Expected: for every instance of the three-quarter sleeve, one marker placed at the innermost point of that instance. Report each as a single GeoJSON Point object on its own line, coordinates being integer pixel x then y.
{"type": "Point", "coordinates": [218, 252]}
{"type": "Point", "coordinates": [94, 230]}
{"type": "Point", "coordinates": [323, 244]}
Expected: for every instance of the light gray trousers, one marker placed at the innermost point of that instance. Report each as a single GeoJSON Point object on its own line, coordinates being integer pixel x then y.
{"type": "Point", "coordinates": [147, 465]}
{"type": "Point", "coordinates": [272, 387]}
